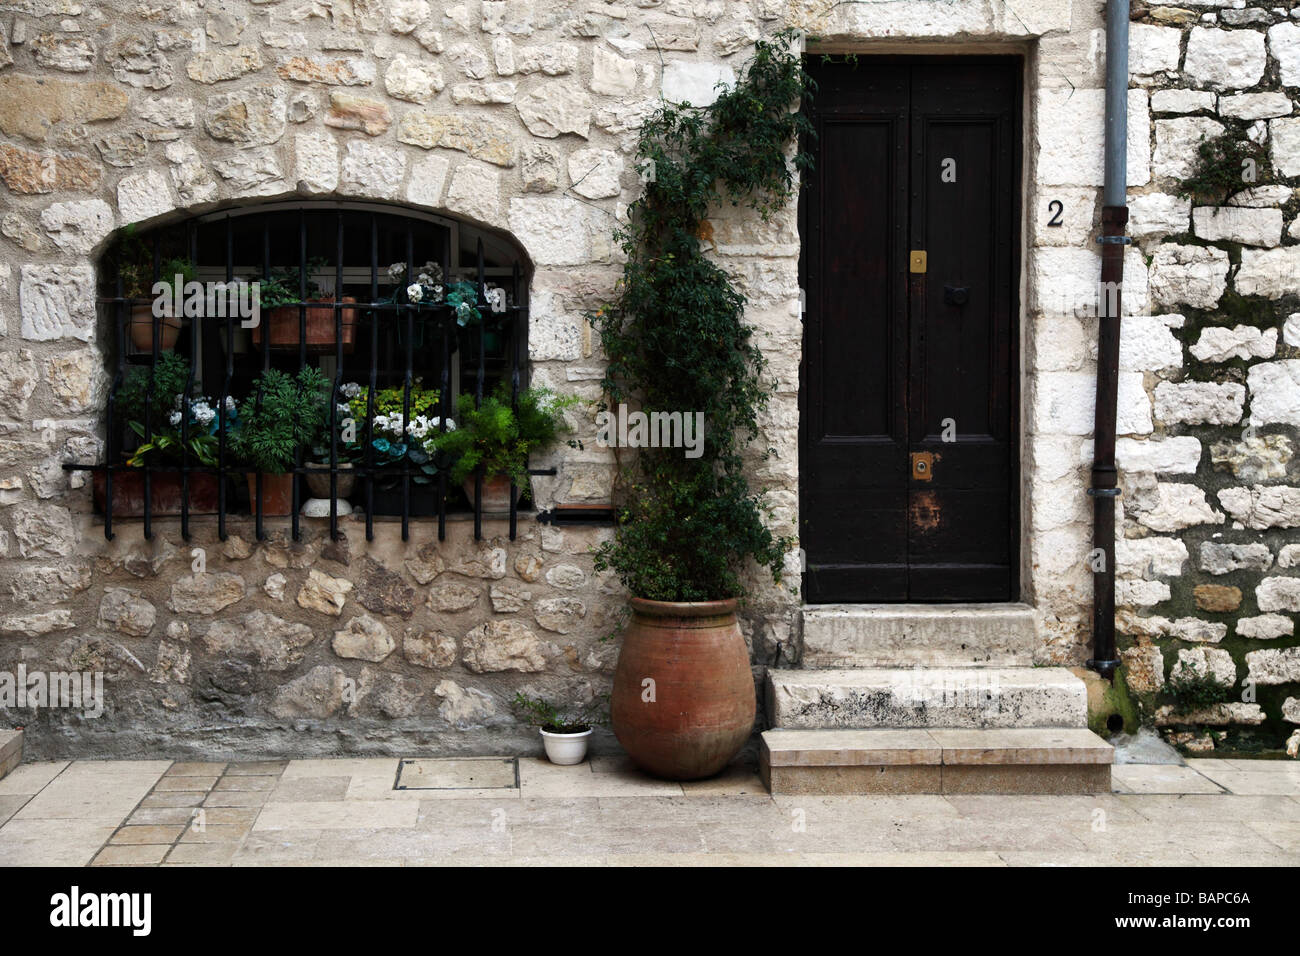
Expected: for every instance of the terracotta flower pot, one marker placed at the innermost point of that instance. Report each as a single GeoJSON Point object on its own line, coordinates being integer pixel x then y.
{"type": "Point", "coordinates": [141, 329]}
{"type": "Point", "coordinates": [277, 494]}
{"type": "Point", "coordinates": [496, 492]}
{"type": "Point", "coordinates": [703, 705]}
{"type": "Point", "coordinates": [282, 321]}
{"type": "Point", "coordinates": [164, 493]}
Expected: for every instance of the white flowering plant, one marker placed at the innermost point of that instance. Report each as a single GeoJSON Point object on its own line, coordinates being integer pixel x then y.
{"type": "Point", "coordinates": [426, 289]}
{"type": "Point", "coordinates": [396, 437]}
{"type": "Point", "coordinates": [180, 426]}
{"type": "Point", "coordinates": [430, 289]}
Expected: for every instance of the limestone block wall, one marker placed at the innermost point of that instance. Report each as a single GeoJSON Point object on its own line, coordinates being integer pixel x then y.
{"type": "Point", "coordinates": [1209, 549]}
{"type": "Point", "coordinates": [521, 115]}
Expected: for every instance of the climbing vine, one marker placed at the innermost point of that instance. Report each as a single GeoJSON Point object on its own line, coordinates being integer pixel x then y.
{"type": "Point", "coordinates": [676, 339]}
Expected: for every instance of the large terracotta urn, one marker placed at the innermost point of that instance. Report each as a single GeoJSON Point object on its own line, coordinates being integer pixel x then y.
{"type": "Point", "coordinates": [683, 699]}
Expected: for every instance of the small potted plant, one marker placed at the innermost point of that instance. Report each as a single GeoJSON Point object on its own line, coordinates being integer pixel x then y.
{"type": "Point", "coordinates": [318, 481]}
{"type": "Point", "coordinates": [498, 438]}
{"type": "Point", "coordinates": [279, 298]}
{"type": "Point", "coordinates": [164, 437]}
{"type": "Point", "coordinates": [395, 442]}
{"type": "Point", "coordinates": [282, 414]}
{"type": "Point", "coordinates": [134, 263]}
{"type": "Point", "coordinates": [565, 733]}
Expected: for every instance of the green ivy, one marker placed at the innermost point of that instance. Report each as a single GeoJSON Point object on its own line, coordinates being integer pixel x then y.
{"type": "Point", "coordinates": [1191, 691]}
{"type": "Point", "coordinates": [676, 338]}
{"type": "Point", "coordinates": [1220, 163]}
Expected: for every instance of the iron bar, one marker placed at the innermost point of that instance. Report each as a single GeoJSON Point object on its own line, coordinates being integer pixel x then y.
{"type": "Point", "coordinates": [225, 385]}
{"type": "Point", "coordinates": [406, 388]}
{"type": "Point", "coordinates": [374, 378]}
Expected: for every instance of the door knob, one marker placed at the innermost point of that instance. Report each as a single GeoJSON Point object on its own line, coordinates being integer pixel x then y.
{"type": "Point", "coordinates": [956, 295]}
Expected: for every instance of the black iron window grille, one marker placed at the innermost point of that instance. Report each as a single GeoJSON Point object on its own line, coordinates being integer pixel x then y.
{"type": "Point", "coordinates": [350, 252]}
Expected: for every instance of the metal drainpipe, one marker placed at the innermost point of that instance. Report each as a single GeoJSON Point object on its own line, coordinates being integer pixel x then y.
{"type": "Point", "coordinates": [1114, 218]}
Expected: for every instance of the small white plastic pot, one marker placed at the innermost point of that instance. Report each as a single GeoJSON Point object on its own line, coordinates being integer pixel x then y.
{"type": "Point", "coordinates": [565, 749]}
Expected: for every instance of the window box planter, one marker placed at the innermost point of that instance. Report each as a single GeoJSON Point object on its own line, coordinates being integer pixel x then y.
{"type": "Point", "coordinates": [282, 321]}
{"type": "Point", "coordinates": [164, 493]}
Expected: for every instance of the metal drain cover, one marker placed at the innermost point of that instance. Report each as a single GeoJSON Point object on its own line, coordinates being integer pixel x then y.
{"type": "Point", "coordinates": [458, 773]}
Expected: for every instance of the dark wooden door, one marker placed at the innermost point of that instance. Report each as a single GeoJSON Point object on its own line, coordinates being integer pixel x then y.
{"type": "Point", "coordinates": [908, 467]}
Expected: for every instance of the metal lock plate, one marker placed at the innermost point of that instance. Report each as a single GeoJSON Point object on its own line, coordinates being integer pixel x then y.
{"type": "Point", "coordinates": [922, 465]}
{"type": "Point", "coordinates": [918, 261]}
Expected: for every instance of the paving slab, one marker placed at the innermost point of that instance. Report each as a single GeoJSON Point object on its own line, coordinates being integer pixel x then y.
{"type": "Point", "coordinates": [64, 842]}
{"type": "Point", "coordinates": [541, 778]}
{"type": "Point", "coordinates": [1160, 778]}
{"type": "Point", "coordinates": [346, 814]}
{"type": "Point", "coordinates": [140, 854]}
{"type": "Point", "coordinates": [31, 778]}
{"type": "Point", "coordinates": [1248, 783]}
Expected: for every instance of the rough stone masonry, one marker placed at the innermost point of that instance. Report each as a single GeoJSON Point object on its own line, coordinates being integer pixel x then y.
{"type": "Point", "coordinates": [522, 115]}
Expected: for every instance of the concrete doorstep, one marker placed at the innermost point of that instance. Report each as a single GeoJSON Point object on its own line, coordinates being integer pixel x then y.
{"type": "Point", "coordinates": [11, 750]}
{"type": "Point", "coordinates": [1039, 760]}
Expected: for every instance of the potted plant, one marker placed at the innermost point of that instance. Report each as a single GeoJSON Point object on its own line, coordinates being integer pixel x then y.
{"type": "Point", "coordinates": [395, 443]}
{"type": "Point", "coordinates": [497, 438]}
{"type": "Point", "coordinates": [677, 340]}
{"type": "Point", "coordinates": [565, 733]}
{"type": "Point", "coordinates": [178, 429]}
{"type": "Point", "coordinates": [134, 263]}
{"type": "Point", "coordinates": [281, 414]}
{"type": "Point", "coordinates": [318, 482]}
{"type": "Point", "coordinates": [280, 299]}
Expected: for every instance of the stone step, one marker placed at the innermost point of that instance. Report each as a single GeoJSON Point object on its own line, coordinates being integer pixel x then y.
{"type": "Point", "coordinates": [11, 750]}
{"type": "Point", "coordinates": [939, 760]}
{"type": "Point", "coordinates": [908, 697]}
{"type": "Point", "coordinates": [893, 635]}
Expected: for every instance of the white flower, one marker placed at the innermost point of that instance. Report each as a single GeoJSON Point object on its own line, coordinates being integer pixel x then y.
{"type": "Point", "coordinates": [230, 403]}
{"type": "Point", "coordinates": [175, 418]}
{"type": "Point", "coordinates": [342, 409]}
{"type": "Point", "coordinates": [350, 390]}
{"type": "Point", "coordinates": [396, 269]}
{"type": "Point", "coordinates": [415, 292]}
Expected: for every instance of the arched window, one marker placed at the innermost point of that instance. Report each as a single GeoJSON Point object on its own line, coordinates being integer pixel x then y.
{"type": "Point", "coordinates": [366, 322]}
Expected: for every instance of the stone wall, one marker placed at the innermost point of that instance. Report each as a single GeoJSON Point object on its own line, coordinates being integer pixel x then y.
{"type": "Point", "coordinates": [1208, 559]}
{"type": "Point", "coordinates": [521, 115]}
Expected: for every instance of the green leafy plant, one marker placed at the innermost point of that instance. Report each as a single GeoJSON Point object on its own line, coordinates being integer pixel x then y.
{"type": "Point", "coordinates": [165, 438]}
{"type": "Point", "coordinates": [281, 414]}
{"type": "Point", "coordinates": [1191, 691]}
{"type": "Point", "coordinates": [282, 285]}
{"type": "Point", "coordinates": [677, 340]}
{"type": "Point", "coordinates": [133, 259]}
{"type": "Point", "coordinates": [1221, 166]}
{"type": "Point", "coordinates": [538, 712]}
{"type": "Point", "coordinates": [499, 438]}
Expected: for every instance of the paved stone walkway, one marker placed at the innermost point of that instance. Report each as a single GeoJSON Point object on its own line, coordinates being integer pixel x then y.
{"type": "Point", "coordinates": [347, 812]}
